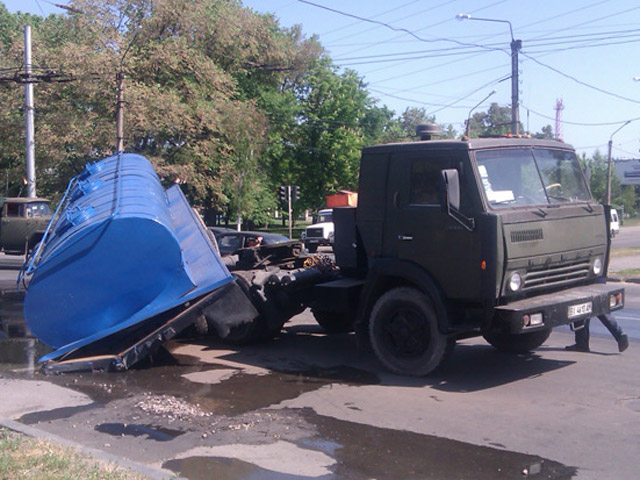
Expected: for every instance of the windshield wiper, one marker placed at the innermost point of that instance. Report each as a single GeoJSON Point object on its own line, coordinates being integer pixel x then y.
{"type": "Point", "coordinates": [540, 212]}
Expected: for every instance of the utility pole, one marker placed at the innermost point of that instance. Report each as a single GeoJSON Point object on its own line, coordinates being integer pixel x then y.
{"type": "Point", "coordinates": [608, 189]}
{"type": "Point", "coordinates": [289, 201]}
{"type": "Point", "coordinates": [27, 77]}
{"type": "Point", "coordinates": [28, 117]}
{"type": "Point", "coordinates": [559, 108]}
{"type": "Point", "coordinates": [516, 45]}
{"type": "Point", "coordinates": [120, 113]}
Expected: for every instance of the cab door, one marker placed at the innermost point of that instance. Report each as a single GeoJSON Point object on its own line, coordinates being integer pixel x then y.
{"type": "Point", "coordinates": [421, 232]}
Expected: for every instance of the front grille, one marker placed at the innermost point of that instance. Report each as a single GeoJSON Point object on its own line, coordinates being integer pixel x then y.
{"type": "Point", "coordinates": [557, 274]}
{"type": "Point", "coordinates": [314, 233]}
{"type": "Point", "coordinates": [532, 235]}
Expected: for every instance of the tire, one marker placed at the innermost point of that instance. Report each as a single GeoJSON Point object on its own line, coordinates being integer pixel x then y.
{"type": "Point", "coordinates": [312, 248]}
{"type": "Point", "coordinates": [404, 334]}
{"type": "Point", "coordinates": [333, 322]}
{"type": "Point", "coordinates": [517, 343]}
{"type": "Point", "coordinates": [246, 333]}
{"type": "Point", "coordinates": [254, 331]}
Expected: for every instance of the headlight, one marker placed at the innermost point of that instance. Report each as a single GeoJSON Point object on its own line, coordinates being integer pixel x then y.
{"type": "Point", "coordinates": [597, 266]}
{"type": "Point", "coordinates": [304, 235]}
{"type": "Point", "coordinates": [515, 282]}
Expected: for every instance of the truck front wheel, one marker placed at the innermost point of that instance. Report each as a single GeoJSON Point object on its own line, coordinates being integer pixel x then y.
{"type": "Point", "coordinates": [312, 247]}
{"type": "Point", "coordinates": [404, 334]}
{"type": "Point", "coordinates": [517, 343]}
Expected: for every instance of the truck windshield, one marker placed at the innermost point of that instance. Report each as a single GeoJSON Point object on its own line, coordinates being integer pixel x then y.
{"type": "Point", "coordinates": [534, 176]}
{"type": "Point", "coordinates": [324, 217]}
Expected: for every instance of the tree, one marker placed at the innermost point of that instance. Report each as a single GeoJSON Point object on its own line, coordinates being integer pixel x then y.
{"type": "Point", "coordinates": [187, 65]}
{"type": "Point", "coordinates": [545, 133]}
{"type": "Point", "coordinates": [495, 122]}
{"type": "Point", "coordinates": [329, 136]}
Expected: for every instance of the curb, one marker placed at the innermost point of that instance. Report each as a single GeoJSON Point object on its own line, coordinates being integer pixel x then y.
{"type": "Point", "coordinates": [623, 279]}
{"type": "Point", "coordinates": [150, 472]}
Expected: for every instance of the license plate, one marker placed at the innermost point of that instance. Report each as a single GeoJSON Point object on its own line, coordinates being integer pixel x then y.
{"type": "Point", "coordinates": [581, 309]}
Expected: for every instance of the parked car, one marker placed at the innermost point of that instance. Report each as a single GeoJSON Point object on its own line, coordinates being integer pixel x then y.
{"type": "Point", "coordinates": [615, 223]}
{"type": "Point", "coordinates": [230, 241]}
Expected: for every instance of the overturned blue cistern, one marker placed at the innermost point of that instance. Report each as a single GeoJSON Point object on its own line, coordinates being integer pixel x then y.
{"type": "Point", "coordinates": [119, 250]}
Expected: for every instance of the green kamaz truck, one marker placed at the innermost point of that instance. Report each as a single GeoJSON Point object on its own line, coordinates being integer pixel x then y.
{"type": "Point", "coordinates": [492, 237]}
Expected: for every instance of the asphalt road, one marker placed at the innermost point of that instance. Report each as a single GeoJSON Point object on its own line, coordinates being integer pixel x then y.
{"type": "Point", "coordinates": [310, 405]}
{"type": "Point", "coordinates": [628, 237]}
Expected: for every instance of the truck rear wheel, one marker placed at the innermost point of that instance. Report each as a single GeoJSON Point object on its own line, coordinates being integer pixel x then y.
{"type": "Point", "coordinates": [517, 343]}
{"type": "Point", "coordinates": [404, 334]}
{"type": "Point", "coordinates": [333, 322]}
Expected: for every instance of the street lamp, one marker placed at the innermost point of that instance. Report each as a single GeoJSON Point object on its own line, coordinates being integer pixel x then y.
{"type": "Point", "coordinates": [608, 191]}
{"type": "Point", "coordinates": [516, 45]}
{"type": "Point", "coordinates": [469, 116]}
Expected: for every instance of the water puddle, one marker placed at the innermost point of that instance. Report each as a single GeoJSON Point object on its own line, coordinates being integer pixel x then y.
{"type": "Point", "coordinates": [206, 468]}
{"type": "Point", "coordinates": [235, 395]}
{"type": "Point", "coordinates": [364, 452]}
{"type": "Point", "coordinates": [19, 350]}
{"type": "Point", "coordinates": [150, 432]}
{"type": "Point", "coordinates": [372, 452]}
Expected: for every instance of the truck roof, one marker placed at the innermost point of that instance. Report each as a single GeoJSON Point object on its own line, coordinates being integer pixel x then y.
{"type": "Point", "coordinates": [23, 200]}
{"type": "Point", "coordinates": [472, 144]}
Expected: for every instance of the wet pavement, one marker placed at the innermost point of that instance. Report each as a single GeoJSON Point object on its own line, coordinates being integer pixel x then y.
{"type": "Point", "coordinates": [310, 405]}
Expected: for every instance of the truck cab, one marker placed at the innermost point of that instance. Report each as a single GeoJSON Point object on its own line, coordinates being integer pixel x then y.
{"type": "Point", "coordinates": [22, 223]}
{"type": "Point", "coordinates": [496, 237]}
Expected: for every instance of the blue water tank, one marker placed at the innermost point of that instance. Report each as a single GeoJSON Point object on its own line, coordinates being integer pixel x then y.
{"type": "Point", "coordinates": [122, 250]}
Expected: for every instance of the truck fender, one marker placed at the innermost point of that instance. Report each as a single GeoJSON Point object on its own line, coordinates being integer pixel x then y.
{"type": "Point", "coordinates": [385, 274]}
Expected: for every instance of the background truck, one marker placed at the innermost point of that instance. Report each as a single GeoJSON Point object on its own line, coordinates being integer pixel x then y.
{"type": "Point", "coordinates": [322, 231]}
{"type": "Point", "coordinates": [451, 239]}
{"type": "Point", "coordinates": [22, 223]}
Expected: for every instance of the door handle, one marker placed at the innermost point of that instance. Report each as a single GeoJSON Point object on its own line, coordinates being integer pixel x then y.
{"type": "Point", "coordinates": [405, 238]}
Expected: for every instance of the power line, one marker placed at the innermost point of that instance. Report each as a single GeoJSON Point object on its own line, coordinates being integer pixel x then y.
{"type": "Point", "coordinates": [580, 81]}
{"type": "Point", "coordinates": [555, 17]}
{"type": "Point", "coordinates": [375, 16]}
{"type": "Point", "coordinates": [582, 124]}
{"type": "Point", "coordinates": [493, 82]}
{"type": "Point", "coordinates": [391, 27]}
{"type": "Point", "coordinates": [413, 14]}
{"type": "Point", "coordinates": [413, 100]}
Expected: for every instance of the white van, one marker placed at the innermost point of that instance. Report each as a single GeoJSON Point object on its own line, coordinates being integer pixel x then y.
{"type": "Point", "coordinates": [615, 223]}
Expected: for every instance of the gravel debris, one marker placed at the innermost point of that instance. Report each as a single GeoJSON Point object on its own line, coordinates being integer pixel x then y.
{"type": "Point", "coordinates": [170, 407]}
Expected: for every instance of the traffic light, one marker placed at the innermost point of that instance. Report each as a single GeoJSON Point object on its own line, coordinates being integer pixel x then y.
{"type": "Point", "coordinates": [295, 193]}
{"type": "Point", "coordinates": [282, 193]}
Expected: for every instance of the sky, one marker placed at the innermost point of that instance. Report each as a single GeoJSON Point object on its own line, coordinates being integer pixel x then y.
{"type": "Point", "coordinates": [415, 53]}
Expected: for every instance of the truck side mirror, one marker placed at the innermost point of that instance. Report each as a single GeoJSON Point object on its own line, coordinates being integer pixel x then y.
{"type": "Point", "coordinates": [451, 189]}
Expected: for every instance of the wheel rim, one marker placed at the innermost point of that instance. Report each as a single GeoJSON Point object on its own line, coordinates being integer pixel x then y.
{"type": "Point", "coordinates": [404, 333]}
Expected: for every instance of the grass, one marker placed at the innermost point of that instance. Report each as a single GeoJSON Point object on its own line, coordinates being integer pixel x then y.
{"type": "Point", "coordinates": [625, 252]}
{"type": "Point", "coordinates": [629, 272]}
{"type": "Point", "coordinates": [27, 458]}
{"type": "Point", "coordinates": [631, 222]}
